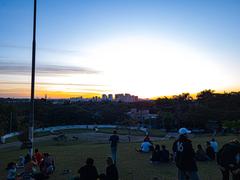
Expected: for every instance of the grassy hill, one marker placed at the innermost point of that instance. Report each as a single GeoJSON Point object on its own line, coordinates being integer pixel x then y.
{"type": "Point", "coordinates": [131, 165]}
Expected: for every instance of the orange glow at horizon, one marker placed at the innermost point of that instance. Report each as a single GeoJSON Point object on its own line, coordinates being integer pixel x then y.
{"type": "Point", "coordinates": [25, 93]}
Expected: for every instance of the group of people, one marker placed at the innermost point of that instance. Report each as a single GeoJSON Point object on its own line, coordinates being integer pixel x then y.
{"type": "Point", "coordinates": [209, 153]}
{"type": "Point", "coordinates": [89, 171]}
{"type": "Point", "coordinates": [185, 157]}
{"type": "Point", "coordinates": [159, 154]}
{"type": "Point", "coordinates": [228, 157]}
{"type": "Point", "coordinates": [40, 166]}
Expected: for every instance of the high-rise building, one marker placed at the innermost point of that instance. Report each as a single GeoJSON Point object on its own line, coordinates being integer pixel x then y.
{"type": "Point", "coordinates": [110, 97]}
{"type": "Point", "coordinates": [104, 97]}
{"type": "Point", "coordinates": [125, 98]}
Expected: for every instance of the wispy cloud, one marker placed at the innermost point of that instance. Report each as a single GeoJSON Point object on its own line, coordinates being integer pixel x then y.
{"type": "Point", "coordinates": [45, 49]}
{"type": "Point", "coordinates": [24, 69]}
{"type": "Point", "coordinates": [54, 84]}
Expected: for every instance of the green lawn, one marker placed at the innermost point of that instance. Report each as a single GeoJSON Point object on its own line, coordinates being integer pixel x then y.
{"type": "Point", "coordinates": [131, 165]}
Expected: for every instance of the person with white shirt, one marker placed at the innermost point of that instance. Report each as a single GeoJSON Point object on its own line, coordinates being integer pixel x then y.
{"type": "Point", "coordinates": [146, 147]}
{"type": "Point", "coordinates": [214, 145]}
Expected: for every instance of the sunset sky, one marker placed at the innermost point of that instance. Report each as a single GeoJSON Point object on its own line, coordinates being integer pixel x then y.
{"type": "Point", "coordinates": [147, 48]}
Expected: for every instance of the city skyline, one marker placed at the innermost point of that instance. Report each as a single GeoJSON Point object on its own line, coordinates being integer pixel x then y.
{"type": "Point", "coordinates": [147, 48]}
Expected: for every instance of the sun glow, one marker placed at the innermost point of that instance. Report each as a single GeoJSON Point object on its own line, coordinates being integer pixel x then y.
{"type": "Point", "coordinates": [147, 67]}
{"type": "Point", "coordinates": [151, 67]}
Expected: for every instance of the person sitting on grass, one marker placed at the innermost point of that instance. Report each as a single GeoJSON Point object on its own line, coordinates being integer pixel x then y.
{"type": "Point", "coordinates": [210, 151]}
{"type": "Point", "coordinates": [11, 171]}
{"type": "Point", "coordinates": [146, 147]}
{"type": "Point", "coordinates": [111, 170]}
{"type": "Point", "coordinates": [29, 167]}
{"type": "Point", "coordinates": [47, 165]}
{"type": "Point", "coordinates": [200, 154]}
{"type": "Point", "coordinates": [88, 171]}
{"type": "Point", "coordinates": [20, 163]}
{"type": "Point", "coordinates": [164, 154]}
{"type": "Point", "coordinates": [156, 154]}
{"type": "Point", "coordinates": [38, 156]}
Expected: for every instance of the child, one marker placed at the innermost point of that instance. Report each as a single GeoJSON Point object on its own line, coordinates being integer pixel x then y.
{"type": "Point", "coordinates": [11, 171]}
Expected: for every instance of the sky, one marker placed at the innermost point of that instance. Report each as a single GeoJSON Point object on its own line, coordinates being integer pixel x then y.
{"type": "Point", "coordinates": [147, 48]}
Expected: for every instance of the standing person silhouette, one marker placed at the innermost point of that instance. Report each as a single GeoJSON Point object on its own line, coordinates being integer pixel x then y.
{"type": "Point", "coordinates": [185, 156]}
{"type": "Point", "coordinates": [114, 139]}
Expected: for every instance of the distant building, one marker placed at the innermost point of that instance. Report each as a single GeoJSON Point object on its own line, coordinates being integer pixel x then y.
{"type": "Point", "coordinates": [125, 98]}
{"type": "Point", "coordinates": [104, 97]}
{"type": "Point", "coordinates": [110, 97]}
{"type": "Point", "coordinates": [96, 99]}
{"type": "Point", "coordinates": [119, 97]}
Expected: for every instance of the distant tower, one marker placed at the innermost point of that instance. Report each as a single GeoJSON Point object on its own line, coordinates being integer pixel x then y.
{"type": "Point", "coordinates": [104, 97]}
{"type": "Point", "coordinates": [45, 96]}
{"type": "Point", "coordinates": [110, 97]}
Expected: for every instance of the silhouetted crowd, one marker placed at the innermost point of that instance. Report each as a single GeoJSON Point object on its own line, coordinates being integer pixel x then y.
{"type": "Point", "coordinates": [38, 167]}
{"type": "Point", "coordinates": [89, 171]}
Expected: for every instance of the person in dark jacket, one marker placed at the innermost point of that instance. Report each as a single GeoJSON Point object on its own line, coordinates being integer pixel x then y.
{"type": "Point", "coordinates": [114, 139]}
{"type": "Point", "coordinates": [200, 154]}
{"type": "Point", "coordinates": [111, 170]}
{"type": "Point", "coordinates": [228, 158]}
{"type": "Point", "coordinates": [156, 155]}
{"type": "Point", "coordinates": [164, 154]}
{"type": "Point", "coordinates": [185, 156]}
{"type": "Point", "coordinates": [210, 151]}
{"type": "Point", "coordinates": [89, 171]}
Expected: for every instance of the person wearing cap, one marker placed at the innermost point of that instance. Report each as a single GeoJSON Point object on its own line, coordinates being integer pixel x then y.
{"type": "Point", "coordinates": [185, 156]}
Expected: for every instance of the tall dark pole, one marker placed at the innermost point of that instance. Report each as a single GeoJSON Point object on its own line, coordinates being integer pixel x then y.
{"type": "Point", "coordinates": [31, 119]}
{"type": "Point", "coordinates": [10, 124]}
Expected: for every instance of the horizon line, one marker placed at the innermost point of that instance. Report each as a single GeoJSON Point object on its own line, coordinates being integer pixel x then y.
{"type": "Point", "coordinates": [89, 95]}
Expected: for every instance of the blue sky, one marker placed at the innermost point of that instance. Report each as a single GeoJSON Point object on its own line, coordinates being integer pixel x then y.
{"type": "Point", "coordinates": [70, 31]}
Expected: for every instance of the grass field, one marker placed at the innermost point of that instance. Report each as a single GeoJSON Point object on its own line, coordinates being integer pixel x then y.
{"type": "Point", "coordinates": [131, 165]}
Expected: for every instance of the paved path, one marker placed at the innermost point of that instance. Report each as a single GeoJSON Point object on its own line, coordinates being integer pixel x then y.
{"type": "Point", "coordinates": [90, 137]}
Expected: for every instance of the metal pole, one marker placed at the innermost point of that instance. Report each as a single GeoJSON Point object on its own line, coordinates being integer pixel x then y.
{"type": "Point", "coordinates": [10, 126]}
{"type": "Point", "coordinates": [31, 119]}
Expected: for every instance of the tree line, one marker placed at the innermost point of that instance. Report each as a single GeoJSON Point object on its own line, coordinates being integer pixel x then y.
{"type": "Point", "coordinates": [206, 109]}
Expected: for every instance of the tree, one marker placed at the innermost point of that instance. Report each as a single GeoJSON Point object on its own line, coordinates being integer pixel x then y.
{"type": "Point", "coordinates": [205, 94]}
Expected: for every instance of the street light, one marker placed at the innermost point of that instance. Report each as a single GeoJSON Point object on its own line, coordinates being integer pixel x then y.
{"type": "Point", "coordinates": [31, 119]}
